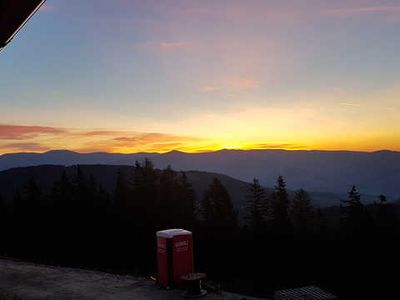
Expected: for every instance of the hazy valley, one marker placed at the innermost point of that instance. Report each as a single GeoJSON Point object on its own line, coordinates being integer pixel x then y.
{"type": "Point", "coordinates": [328, 175]}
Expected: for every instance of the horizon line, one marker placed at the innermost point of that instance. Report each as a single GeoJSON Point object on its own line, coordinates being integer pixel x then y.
{"type": "Point", "coordinates": [199, 152]}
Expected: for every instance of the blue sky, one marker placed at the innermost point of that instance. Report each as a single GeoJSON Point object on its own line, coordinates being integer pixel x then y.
{"type": "Point", "coordinates": [203, 75]}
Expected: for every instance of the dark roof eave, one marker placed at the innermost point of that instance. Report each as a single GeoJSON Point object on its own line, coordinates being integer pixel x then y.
{"type": "Point", "coordinates": [13, 16]}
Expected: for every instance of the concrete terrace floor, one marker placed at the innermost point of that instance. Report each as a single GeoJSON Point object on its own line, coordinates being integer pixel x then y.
{"type": "Point", "coordinates": [31, 281]}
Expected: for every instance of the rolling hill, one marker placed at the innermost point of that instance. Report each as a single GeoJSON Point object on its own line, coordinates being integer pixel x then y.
{"type": "Point", "coordinates": [106, 176]}
{"type": "Point", "coordinates": [330, 172]}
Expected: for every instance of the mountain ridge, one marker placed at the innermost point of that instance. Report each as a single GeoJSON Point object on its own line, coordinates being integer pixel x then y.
{"type": "Point", "coordinates": [319, 171]}
{"type": "Point", "coordinates": [203, 152]}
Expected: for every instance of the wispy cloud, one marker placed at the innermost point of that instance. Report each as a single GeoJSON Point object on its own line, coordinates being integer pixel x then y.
{"type": "Point", "coordinates": [243, 83]}
{"type": "Point", "coordinates": [158, 142]}
{"type": "Point", "coordinates": [151, 137]}
{"type": "Point", "coordinates": [275, 146]}
{"type": "Point", "coordinates": [15, 147]}
{"type": "Point", "coordinates": [99, 133]}
{"type": "Point", "coordinates": [209, 89]}
{"type": "Point", "coordinates": [350, 104]}
{"type": "Point", "coordinates": [231, 85]}
{"type": "Point", "coordinates": [167, 47]}
{"type": "Point", "coordinates": [348, 12]}
{"type": "Point", "coordinates": [40, 138]}
{"type": "Point", "coordinates": [174, 45]}
{"type": "Point", "coordinates": [21, 132]}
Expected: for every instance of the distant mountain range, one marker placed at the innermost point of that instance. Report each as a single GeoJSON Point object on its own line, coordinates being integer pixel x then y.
{"type": "Point", "coordinates": [321, 172]}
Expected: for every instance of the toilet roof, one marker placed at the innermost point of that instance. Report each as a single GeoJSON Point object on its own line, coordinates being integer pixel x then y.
{"type": "Point", "coordinates": [170, 233]}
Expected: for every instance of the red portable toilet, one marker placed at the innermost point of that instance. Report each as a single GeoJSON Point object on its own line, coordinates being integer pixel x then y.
{"type": "Point", "coordinates": [174, 256]}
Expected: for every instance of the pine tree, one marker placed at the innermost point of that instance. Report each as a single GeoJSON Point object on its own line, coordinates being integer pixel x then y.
{"type": "Point", "coordinates": [168, 202]}
{"type": "Point", "coordinates": [121, 192]}
{"type": "Point", "coordinates": [92, 191]}
{"type": "Point", "coordinates": [31, 201]}
{"type": "Point", "coordinates": [386, 219]}
{"type": "Point", "coordinates": [62, 198]}
{"type": "Point", "coordinates": [188, 190]}
{"type": "Point", "coordinates": [81, 197]}
{"type": "Point", "coordinates": [145, 180]}
{"type": "Point", "coordinates": [63, 189]}
{"type": "Point", "coordinates": [2, 204]}
{"type": "Point", "coordinates": [187, 199]}
{"type": "Point", "coordinates": [257, 208]}
{"type": "Point", "coordinates": [3, 223]}
{"type": "Point", "coordinates": [219, 215]}
{"type": "Point", "coordinates": [144, 198]}
{"type": "Point", "coordinates": [103, 199]}
{"type": "Point", "coordinates": [32, 194]}
{"type": "Point", "coordinates": [28, 211]}
{"type": "Point", "coordinates": [2, 211]}
{"type": "Point", "coordinates": [353, 208]}
{"type": "Point", "coordinates": [302, 214]}
{"type": "Point", "coordinates": [281, 225]}
{"type": "Point", "coordinates": [355, 219]}
{"type": "Point", "coordinates": [17, 203]}
{"type": "Point", "coordinates": [322, 229]}
{"type": "Point", "coordinates": [81, 184]}
{"type": "Point", "coordinates": [382, 199]}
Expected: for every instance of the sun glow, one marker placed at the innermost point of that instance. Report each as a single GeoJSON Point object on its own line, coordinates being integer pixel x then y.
{"type": "Point", "coordinates": [250, 75]}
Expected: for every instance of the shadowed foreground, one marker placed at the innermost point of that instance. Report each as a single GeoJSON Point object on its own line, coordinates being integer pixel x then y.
{"type": "Point", "coordinates": [31, 281]}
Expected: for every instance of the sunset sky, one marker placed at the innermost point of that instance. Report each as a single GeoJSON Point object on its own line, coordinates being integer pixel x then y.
{"type": "Point", "coordinates": [198, 75]}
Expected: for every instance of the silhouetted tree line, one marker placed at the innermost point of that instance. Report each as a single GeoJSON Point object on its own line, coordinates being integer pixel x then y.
{"type": "Point", "coordinates": [79, 223]}
{"type": "Point", "coordinates": [281, 237]}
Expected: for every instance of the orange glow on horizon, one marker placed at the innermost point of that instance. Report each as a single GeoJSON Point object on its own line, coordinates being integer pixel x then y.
{"type": "Point", "coordinates": [240, 135]}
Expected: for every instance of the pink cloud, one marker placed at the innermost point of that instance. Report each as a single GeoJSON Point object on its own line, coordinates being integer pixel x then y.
{"type": "Point", "coordinates": [19, 138]}
{"type": "Point", "coordinates": [209, 89]}
{"type": "Point", "coordinates": [231, 85]}
{"type": "Point", "coordinates": [99, 133]}
{"type": "Point", "coordinates": [20, 132]}
{"type": "Point", "coordinates": [244, 83]}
